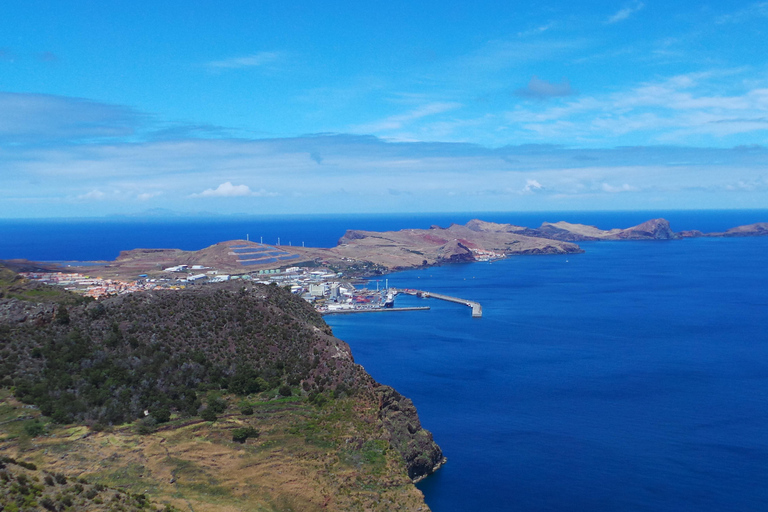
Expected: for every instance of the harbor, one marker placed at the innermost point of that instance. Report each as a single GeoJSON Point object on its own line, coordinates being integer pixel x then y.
{"type": "Point", "coordinates": [477, 309]}
{"type": "Point", "coordinates": [372, 310]}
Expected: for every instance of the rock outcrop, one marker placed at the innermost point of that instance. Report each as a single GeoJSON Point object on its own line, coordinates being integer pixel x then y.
{"type": "Point", "coordinates": [758, 229]}
{"type": "Point", "coordinates": [654, 229]}
{"type": "Point", "coordinates": [455, 252]}
{"type": "Point", "coordinates": [421, 454]}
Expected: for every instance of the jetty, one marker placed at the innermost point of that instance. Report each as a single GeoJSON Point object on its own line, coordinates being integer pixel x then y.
{"type": "Point", "coordinates": [477, 309]}
{"type": "Point", "coordinates": [371, 310]}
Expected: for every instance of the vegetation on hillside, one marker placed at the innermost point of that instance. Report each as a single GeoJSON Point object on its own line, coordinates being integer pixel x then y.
{"type": "Point", "coordinates": [108, 362]}
{"type": "Point", "coordinates": [250, 368]}
{"type": "Point", "coordinates": [14, 286]}
{"type": "Point", "coordinates": [296, 456]}
{"type": "Point", "coordinates": [25, 487]}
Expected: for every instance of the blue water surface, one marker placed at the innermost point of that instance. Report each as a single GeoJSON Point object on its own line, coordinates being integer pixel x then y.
{"type": "Point", "coordinates": [633, 377]}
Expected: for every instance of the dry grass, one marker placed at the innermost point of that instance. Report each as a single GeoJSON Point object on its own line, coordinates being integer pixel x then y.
{"type": "Point", "coordinates": [306, 459]}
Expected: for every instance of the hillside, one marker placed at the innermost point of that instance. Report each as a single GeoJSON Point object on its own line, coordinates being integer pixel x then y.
{"type": "Point", "coordinates": [25, 487]}
{"type": "Point", "coordinates": [13, 286]}
{"type": "Point", "coordinates": [212, 365]}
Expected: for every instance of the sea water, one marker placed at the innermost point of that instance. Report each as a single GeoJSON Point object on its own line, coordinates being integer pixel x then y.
{"type": "Point", "coordinates": [633, 377]}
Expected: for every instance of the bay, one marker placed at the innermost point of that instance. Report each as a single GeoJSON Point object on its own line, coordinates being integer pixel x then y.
{"type": "Point", "coordinates": [633, 377]}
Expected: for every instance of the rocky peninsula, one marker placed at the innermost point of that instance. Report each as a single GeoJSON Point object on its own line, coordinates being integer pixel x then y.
{"type": "Point", "coordinates": [365, 253]}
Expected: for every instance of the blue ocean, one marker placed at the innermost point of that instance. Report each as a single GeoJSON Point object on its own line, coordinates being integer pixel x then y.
{"type": "Point", "coordinates": [633, 377]}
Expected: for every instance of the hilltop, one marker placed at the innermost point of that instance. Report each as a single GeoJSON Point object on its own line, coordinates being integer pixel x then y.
{"type": "Point", "coordinates": [229, 396]}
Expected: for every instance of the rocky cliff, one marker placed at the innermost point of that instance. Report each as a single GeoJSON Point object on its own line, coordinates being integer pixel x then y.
{"type": "Point", "coordinates": [416, 445]}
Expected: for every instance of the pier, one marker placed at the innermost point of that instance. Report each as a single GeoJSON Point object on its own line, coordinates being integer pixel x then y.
{"type": "Point", "coordinates": [371, 310]}
{"type": "Point", "coordinates": [477, 309]}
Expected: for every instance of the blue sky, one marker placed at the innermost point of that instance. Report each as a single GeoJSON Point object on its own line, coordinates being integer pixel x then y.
{"type": "Point", "coordinates": [302, 107]}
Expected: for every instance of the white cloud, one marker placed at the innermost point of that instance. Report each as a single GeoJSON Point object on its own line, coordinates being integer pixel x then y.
{"type": "Point", "coordinates": [249, 61]}
{"type": "Point", "coordinates": [397, 122]}
{"type": "Point", "coordinates": [95, 194]}
{"type": "Point", "coordinates": [535, 31]}
{"type": "Point", "coordinates": [606, 187]}
{"type": "Point", "coordinates": [751, 12]}
{"type": "Point", "coordinates": [680, 108]}
{"type": "Point", "coordinates": [226, 190]}
{"type": "Point", "coordinates": [359, 173]}
{"type": "Point", "coordinates": [145, 196]}
{"type": "Point", "coordinates": [532, 186]}
{"type": "Point", "coordinates": [626, 12]}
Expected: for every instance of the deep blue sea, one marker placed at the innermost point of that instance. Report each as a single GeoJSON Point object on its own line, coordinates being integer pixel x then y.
{"type": "Point", "coordinates": [633, 377]}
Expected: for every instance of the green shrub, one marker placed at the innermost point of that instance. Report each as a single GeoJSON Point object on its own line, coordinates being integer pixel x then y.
{"type": "Point", "coordinates": [34, 428]}
{"type": "Point", "coordinates": [147, 425]}
{"type": "Point", "coordinates": [217, 405]}
{"type": "Point", "coordinates": [208, 414]}
{"type": "Point", "coordinates": [162, 414]}
{"type": "Point", "coordinates": [246, 408]}
{"type": "Point", "coordinates": [239, 435]}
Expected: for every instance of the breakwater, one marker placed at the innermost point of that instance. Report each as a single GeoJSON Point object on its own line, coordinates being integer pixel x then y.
{"type": "Point", "coordinates": [371, 310]}
{"type": "Point", "coordinates": [477, 309]}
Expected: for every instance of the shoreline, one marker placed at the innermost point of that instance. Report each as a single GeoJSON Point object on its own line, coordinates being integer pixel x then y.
{"type": "Point", "coordinates": [373, 310]}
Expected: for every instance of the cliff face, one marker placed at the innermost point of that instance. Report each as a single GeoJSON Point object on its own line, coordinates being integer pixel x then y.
{"type": "Point", "coordinates": [455, 252]}
{"type": "Point", "coordinates": [421, 454]}
{"type": "Point", "coordinates": [655, 229]}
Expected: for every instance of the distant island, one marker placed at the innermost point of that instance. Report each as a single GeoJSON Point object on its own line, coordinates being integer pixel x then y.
{"type": "Point", "coordinates": [369, 253]}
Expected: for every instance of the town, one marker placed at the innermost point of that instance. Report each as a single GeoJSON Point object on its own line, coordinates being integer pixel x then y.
{"type": "Point", "coordinates": [327, 290]}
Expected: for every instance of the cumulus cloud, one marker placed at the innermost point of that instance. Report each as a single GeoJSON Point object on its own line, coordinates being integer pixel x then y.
{"type": "Point", "coordinates": [626, 12]}
{"type": "Point", "coordinates": [541, 89]}
{"type": "Point", "coordinates": [248, 61]}
{"type": "Point", "coordinates": [532, 186]}
{"type": "Point", "coordinates": [227, 189]}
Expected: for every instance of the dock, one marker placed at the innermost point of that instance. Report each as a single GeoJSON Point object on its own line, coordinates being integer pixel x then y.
{"type": "Point", "coordinates": [372, 310]}
{"type": "Point", "coordinates": [477, 309]}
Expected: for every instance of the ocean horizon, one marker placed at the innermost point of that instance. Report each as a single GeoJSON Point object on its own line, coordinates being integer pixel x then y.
{"type": "Point", "coordinates": [103, 238]}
